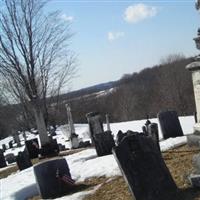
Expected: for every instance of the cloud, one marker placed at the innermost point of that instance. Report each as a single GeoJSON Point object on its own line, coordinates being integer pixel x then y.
{"type": "Point", "coordinates": [139, 12]}
{"type": "Point", "coordinates": [67, 18]}
{"type": "Point", "coordinates": [115, 35]}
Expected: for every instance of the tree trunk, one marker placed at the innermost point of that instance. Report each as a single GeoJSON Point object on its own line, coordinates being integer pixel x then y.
{"type": "Point", "coordinates": [44, 139]}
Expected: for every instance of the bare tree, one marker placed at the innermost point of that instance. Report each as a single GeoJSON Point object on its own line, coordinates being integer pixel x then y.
{"type": "Point", "coordinates": [35, 61]}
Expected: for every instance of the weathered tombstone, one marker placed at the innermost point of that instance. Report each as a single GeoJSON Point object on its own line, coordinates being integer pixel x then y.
{"type": "Point", "coordinates": [24, 136]}
{"type": "Point", "coordinates": [4, 147]}
{"type": "Point", "coordinates": [53, 178]}
{"type": "Point", "coordinates": [10, 158]}
{"type": "Point", "coordinates": [50, 149]}
{"type": "Point", "coordinates": [61, 147]}
{"type": "Point", "coordinates": [153, 133]}
{"type": "Point", "coordinates": [108, 123]}
{"type": "Point", "coordinates": [17, 140]}
{"type": "Point", "coordinates": [32, 148]}
{"type": "Point", "coordinates": [2, 159]}
{"type": "Point", "coordinates": [144, 169]}
{"type": "Point", "coordinates": [170, 124]}
{"type": "Point", "coordinates": [120, 136]}
{"type": "Point", "coordinates": [73, 136]}
{"type": "Point", "coordinates": [10, 144]}
{"type": "Point", "coordinates": [103, 140]}
{"type": "Point", "coordinates": [23, 160]}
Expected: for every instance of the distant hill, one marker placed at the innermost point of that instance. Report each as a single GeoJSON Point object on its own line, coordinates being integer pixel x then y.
{"type": "Point", "coordinates": [89, 90]}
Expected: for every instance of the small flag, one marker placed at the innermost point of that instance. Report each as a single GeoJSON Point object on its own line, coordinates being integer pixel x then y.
{"type": "Point", "coordinates": [65, 178]}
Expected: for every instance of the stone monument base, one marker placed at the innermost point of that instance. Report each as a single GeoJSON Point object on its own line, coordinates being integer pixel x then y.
{"type": "Point", "coordinates": [197, 129]}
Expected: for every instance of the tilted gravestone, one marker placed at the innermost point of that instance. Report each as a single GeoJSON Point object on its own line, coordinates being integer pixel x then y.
{"type": "Point", "coordinates": [153, 133]}
{"type": "Point", "coordinates": [10, 158]}
{"type": "Point", "coordinates": [4, 147]}
{"type": "Point", "coordinates": [53, 178]}
{"type": "Point", "coordinates": [10, 144]}
{"type": "Point", "coordinates": [170, 124]}
{"type": "Point", "coordinates": [144, 169]}
{"type": "Point", "coordinates": [2, 159]}
{"type": "Point", "coordinates": [32, 148]}
{"type": "Point", "coordinates": [23, 160]}
{"type": "Point", "coordinates": [103, 140]}
{"type": "Point", "coordinates": [17, 140]}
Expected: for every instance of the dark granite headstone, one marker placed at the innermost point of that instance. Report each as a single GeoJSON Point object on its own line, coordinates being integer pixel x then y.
{"type": "Point", "coordinates": [32, 148]}
{"type": "Point", "coordinates": [50, 149]}
{"type": "Point", "coordinates": [170, 124]}
{"type": "Point", "coordinates": [53, 178]}
{"type": "Point", "coordinates": [10, 158]}
{"type": "Point", "coordinates": [2, 159]}
{"type": "Point", "coordinates": [4, 147]}
{"type": "Point", "coordinates": [23, 160]}
{"type": "Point", "coordinates": [144, 169]}
{"type": "Point", "coordinates": [103, 140]}
{"type": "Point", "coordinates": [10, 144]}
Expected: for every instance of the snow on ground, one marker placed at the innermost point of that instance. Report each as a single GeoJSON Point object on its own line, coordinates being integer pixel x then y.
{"type": "Point", "coordinates": [83, 165]}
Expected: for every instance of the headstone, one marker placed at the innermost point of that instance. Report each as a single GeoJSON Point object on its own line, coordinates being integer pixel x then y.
{"type": "Point", "coordinates": [50, 149]}
{"type": "Point", "coordinates": [4, 147]}
{"type": "Point", "coordinates": [108, 123]}
{"type": "Point", "coordinates": [61, 147]}
{"type": "Point", "coordinates": [103, 140]}
{"type": "Point", "coordinates": [194, 67]}
{"type": "Point", "coordinates": [195, 180]}
{"type": "Point", "coordinates": [24, 136]}
{"type": "Point", "coordinates": [144, 169]}
{"type": "Point", "coordinates": [23, 160]}
{"type": "Point", "coordinates": [10, 158]}
{"type": "Point", "coordinates": [17, 140]}
{"type": "Point", "coordinates": [53, 178]}
{"type": "Point", "coordinates": [10, 144]}
{"type": "Point", "coordinates": [2, 159]}
{"type": "Point", "coordinates": [73, 136]}
{"type": "Point", "coordinates": [32, 148]}
{"type": "Point", "coordinates": [153, 133]}
{"type": "Point", "coordinates": [170, 124]}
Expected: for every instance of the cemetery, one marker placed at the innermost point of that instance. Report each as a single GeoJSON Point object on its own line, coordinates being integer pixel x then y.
{"type": "Point", "coordinates": [157, 158]}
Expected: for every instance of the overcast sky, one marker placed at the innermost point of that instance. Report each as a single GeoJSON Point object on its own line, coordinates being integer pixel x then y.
{"type": "Point", "coordinates": [113, 38]}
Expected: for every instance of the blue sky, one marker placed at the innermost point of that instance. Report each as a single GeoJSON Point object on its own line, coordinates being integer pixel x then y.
{"type": "Point", "coordinates": [113, 38]}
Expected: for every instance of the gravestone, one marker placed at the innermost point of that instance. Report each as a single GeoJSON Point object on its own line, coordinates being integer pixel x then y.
{"type": "Point", "coordinates": [194, 67]}
{"type": "Point", "coordinates": [4, 147]}
{"type": "Point", "coordinates": [108, 123]}
{"type": "Point", "coordinates": [10, 158]}
{"type": "Point", "coordinates": [10, 144]}
{"type": "Point", "coordinates": [53, 178]}
{"type": "Point", "coordinates": [144, 169]}
{"type": "Point", "coordinates": [153, 133]}
{"type": "Point", "coordinates": [73, 136]}
{"type": "Point", "coordinates": [2, 159]}
{"type": "Point", "coordinates": [50, 149]}
{"type": "Point", "coordinates": [103, 140]}
{"type": "Point", "coordinates": [23, 160]}
{"type": "Point", "coordinates": [17, 139]}
{"type": "Point", "coordinates": [170, 124]}
{"type": "Point", "coordinates": [32, 148]}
